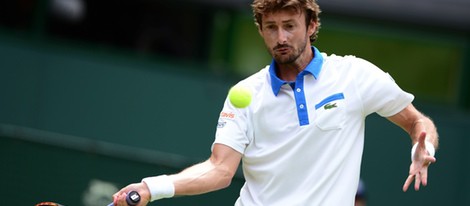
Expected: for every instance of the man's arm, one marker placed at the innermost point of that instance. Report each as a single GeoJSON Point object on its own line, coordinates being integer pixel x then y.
{"type": "Point", "coordinates": [414, 122]}
{"type": "Point", "coordinates": [421, 130]}
{"type": "Point", "coordinates": [213, 174]}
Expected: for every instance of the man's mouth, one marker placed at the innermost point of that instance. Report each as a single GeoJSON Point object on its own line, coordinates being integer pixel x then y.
{"type": "Point", "coordinates": [281, 49]}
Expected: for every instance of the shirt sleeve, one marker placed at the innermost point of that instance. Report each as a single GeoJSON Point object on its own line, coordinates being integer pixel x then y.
{"type": "Point", "coordinates": [379, 92]}
{"type": "Point", "coordinates": [232, 127]}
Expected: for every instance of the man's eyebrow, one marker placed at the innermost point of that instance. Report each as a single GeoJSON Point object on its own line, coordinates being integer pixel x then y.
{"type": "Point", "coordinates": [285, 21]}
{"type": "Point", "coordinates": [288, 21]}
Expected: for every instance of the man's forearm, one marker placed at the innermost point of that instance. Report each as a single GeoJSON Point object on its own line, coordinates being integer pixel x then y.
{"type": "Point", "coordinates": [431, 132]}
{"type": "Point", "coordinates": [201, 178]}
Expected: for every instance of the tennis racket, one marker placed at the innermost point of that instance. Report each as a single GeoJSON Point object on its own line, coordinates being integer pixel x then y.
{"type": "Point", "coordinates": [132, 199]}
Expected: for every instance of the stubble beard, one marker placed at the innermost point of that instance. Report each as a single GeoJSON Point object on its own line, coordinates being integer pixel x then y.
{"type": "Point", "coordinates": [288, 58]}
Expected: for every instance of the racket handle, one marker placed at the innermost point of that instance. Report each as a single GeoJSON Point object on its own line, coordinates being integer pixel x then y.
{"type": "Point", "coordinates": [132, 199]}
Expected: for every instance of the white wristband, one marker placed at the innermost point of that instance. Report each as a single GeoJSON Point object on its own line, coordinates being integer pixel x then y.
{"type": "Point", "coordinates": [160, 187]}
{"type": "Point", "coordinates": [429, 147]}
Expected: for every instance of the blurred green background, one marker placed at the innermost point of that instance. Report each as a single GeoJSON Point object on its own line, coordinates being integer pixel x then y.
{"type": "Point", "coordinates": [95, 98]}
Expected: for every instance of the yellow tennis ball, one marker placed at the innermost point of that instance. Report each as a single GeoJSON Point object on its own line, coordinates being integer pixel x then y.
{"type": "Point", "coordinates": [239, 96]}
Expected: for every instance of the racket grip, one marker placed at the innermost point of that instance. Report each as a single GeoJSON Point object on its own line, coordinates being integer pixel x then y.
{"type": "Point", "coordinates": [132, 199]}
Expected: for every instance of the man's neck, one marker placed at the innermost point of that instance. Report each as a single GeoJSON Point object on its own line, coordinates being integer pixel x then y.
{"type": "Point", "coordinates": [289, 72]}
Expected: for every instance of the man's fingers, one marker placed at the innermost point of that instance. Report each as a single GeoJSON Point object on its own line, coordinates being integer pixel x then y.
{"type": "Point", "coordinates": [119, 198]}
{"type": "Point", "coordinates": [408, 182]}
{"type": "Point", "coordinates": [424, 177]}
{"type": "Point", "coordinates": [122, 198]}
{"type": "Point", "coordinates": [431, 159]}
{"type": "Point", "coordinates": [422, 137]}
{"type": "Point", "coordinates": [420, 164]}
{"type": "Point", "coordinates": [417, 181]}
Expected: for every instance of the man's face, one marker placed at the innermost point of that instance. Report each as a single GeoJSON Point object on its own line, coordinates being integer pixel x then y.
{"type": "Point", "coordinates": [286, 35]}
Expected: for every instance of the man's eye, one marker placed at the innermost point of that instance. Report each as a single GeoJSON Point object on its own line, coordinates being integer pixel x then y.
{"type": "Point", "coordinates": [270, 27]}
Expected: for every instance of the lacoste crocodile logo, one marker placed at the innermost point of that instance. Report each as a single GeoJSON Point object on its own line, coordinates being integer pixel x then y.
{"type": "Point", "coordinates": [330, 106]}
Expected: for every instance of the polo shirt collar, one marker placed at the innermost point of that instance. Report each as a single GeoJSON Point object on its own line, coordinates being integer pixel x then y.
{"type": "Point", "coordinates": [313, 68]}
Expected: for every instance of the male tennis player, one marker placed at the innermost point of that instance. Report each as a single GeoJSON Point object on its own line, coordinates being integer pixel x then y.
{"type": "Point", "coordinates": [301, 138]}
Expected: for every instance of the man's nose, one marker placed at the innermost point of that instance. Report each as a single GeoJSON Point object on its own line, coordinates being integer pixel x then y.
{"type": "Point", "coordinates": [281, 36]}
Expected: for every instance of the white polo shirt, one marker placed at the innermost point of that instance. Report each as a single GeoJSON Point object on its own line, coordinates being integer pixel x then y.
{"type": "Point", "coordinates": [302, 142]}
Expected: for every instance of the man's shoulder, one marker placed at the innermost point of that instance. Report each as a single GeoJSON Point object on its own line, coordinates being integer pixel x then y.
{"type": "Point", "coordinates": [345, 62]}
{"type": "Point", "coordinates": [258, 76]}
{"type": "Point", "coordinates": [338, 59]}
{"type": "Point", "coordinates": [256, 80]}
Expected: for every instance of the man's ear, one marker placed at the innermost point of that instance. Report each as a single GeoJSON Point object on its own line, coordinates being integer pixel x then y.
{"type": "Point", "coordinates": [260, 32]}
{"type": "Point", "coordinates": [312, 27]}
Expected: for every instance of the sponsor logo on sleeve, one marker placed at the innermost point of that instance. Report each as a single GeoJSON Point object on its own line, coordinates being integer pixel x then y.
{"type": "Point", "coordinates": [226, 115]}
{"type": "Point", "coordinates": [221, 124]}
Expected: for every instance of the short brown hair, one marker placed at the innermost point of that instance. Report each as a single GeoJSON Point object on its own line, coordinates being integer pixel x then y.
{"type": "Point", "coordinates": [309, 7]}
